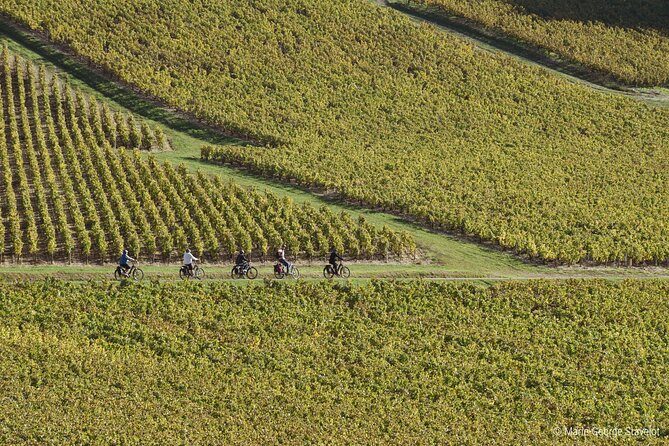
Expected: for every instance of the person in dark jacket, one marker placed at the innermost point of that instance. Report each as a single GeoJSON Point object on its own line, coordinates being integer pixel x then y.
{"type": "Point", "coordinates": [123, 262]}
{"type": "Point", "coordinates": [333, 260]}
{"type": "Point", "coordinates": [241, 259]}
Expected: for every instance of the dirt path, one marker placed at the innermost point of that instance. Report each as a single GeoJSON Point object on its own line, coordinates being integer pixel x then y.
{"type": "Point", "coordinates": [496, 43]}
{"type": "Point", "coordinates": [454, 257]}
{"type": "Point", "coordinates": [360, 272]}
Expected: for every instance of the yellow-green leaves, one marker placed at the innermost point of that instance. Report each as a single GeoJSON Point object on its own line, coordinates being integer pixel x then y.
{"type": "Point", "coordinates": [325, 363]}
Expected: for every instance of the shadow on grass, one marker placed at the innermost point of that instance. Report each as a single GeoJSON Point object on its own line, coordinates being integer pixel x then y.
{"type": "Point", "coordinates": [508, 45]}
{"type": "Point", "coordinates": [112, 88]}
{"type": "Point", "coordinates": [131, 99]}
{"type": "Point", "coordinates": [652, 14]}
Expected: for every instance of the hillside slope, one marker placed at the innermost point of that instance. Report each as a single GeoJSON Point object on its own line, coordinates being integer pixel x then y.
{"type": "Point", "coordinates": [67, 194]}
{"type": "Point", "coordinates": [358, 99]}
{"type": "Point", "coordinates": [627, 41]}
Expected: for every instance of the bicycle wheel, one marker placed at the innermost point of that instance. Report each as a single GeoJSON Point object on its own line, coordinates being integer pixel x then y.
{"type": "Point", "coordinates": [295, 273]}
{"type": "Point", "coordinates": [252, 273]}
{"type": "Point", "coordinates": [183, 274]}
{"type": "Point", "coordinates": [138, 274]}
{"type": "Point", "coordinates": [118, 275]}
{"type": "Point", "coordinates": [327, 272]}
{"type": "Point", "coordinates": [345, 272]}
{"type": "Point", "coordinates": [198, 273]}
{"type": "Point", "coordinates": [235, 273]}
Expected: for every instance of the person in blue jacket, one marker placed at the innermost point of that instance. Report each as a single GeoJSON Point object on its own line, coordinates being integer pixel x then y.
{"type": "Point", "coordinates": [123, 262]}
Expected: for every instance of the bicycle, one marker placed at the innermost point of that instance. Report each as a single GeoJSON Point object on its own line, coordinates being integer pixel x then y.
{"type": "Point", "coordinates": [342, 271]}
{"type": "Point", "coordinates": [134, 273]}
{"type": "Point", "coordinates": [197, 273]}
{"type": "Point", "coordinates": [280, 272]}
{"type": "Point", "coordinates": [245, 270]}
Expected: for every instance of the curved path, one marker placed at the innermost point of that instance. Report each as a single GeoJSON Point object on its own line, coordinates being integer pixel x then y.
{"type": "Point", "coordinates": [451, 257]}
{"type": "Point", "coordinates": [526, 53]}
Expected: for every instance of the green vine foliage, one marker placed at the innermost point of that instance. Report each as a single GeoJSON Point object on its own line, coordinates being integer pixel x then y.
{"type": "Point", "coordinates": [321, 363]}
{"type": "Point", "coordinates": [626, 40]}
{"type": "Point", "coordinates": [355, 98]}
{"type": "Point", "coordinates": [69, 194]}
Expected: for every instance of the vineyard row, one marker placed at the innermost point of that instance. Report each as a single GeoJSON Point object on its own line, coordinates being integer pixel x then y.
{"type": "Point", "coordinates": [68, 194]}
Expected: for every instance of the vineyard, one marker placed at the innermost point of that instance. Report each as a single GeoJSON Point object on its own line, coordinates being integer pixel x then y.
{"type": "Point", "coordinates": [68, 194]}
{"type": "Point", "coordinates": [357, 99]}
{"type": "Point", "coordinates": [627, 40]}
{"type": "Point", "coordinates": [307, 363]}
{"type": "Point", "coordinates": [373, 112]}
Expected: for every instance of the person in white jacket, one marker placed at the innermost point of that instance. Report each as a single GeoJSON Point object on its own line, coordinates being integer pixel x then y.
{"type": "Point", "coordinates": [188, 261]}
{"type": "Point", "coordinates": [281, 257]}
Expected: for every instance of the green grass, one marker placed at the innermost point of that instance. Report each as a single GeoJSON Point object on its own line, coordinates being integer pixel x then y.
{"type": "Point", "coordinates": [309, 271]}
{"type": "Point", "coordinates": [188, 137]}
{"type": "Point", "coordinates": [632, 35]}
{"type": "Point", "coordinates": [433, 127]}
{"type": "Point", "coordinates": [453, 255]}
{"type": "Point", "coordinates": [447, 250]}
{"type": "Point", "coordinates": [361, 273]}
{"type": "Point", "coordinates": [496, 42]}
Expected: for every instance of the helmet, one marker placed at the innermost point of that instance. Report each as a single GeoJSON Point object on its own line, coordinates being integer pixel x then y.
{"type": "Point", "coordinates": [241, 251]}
{"type": "Point", "coordinates": [187, 249]}
{"type": "Point", "coordinates": [125, 251]}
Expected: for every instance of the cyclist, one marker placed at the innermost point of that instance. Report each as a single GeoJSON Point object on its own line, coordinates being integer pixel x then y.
{"type": "Point", "coordinates": [334, 256]}
{"type": "Point", "coordinates": [188, 261]}
{"type": "Point", "coordinates": [281, 257]}
{"type": "Point", "coordinates": [123, 262]}
{"type": "Point", "coordinates": [241, 261]}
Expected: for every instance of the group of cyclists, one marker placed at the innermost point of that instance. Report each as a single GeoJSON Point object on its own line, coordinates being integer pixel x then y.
{"type": "Point", "coordinates": [243, 265]}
